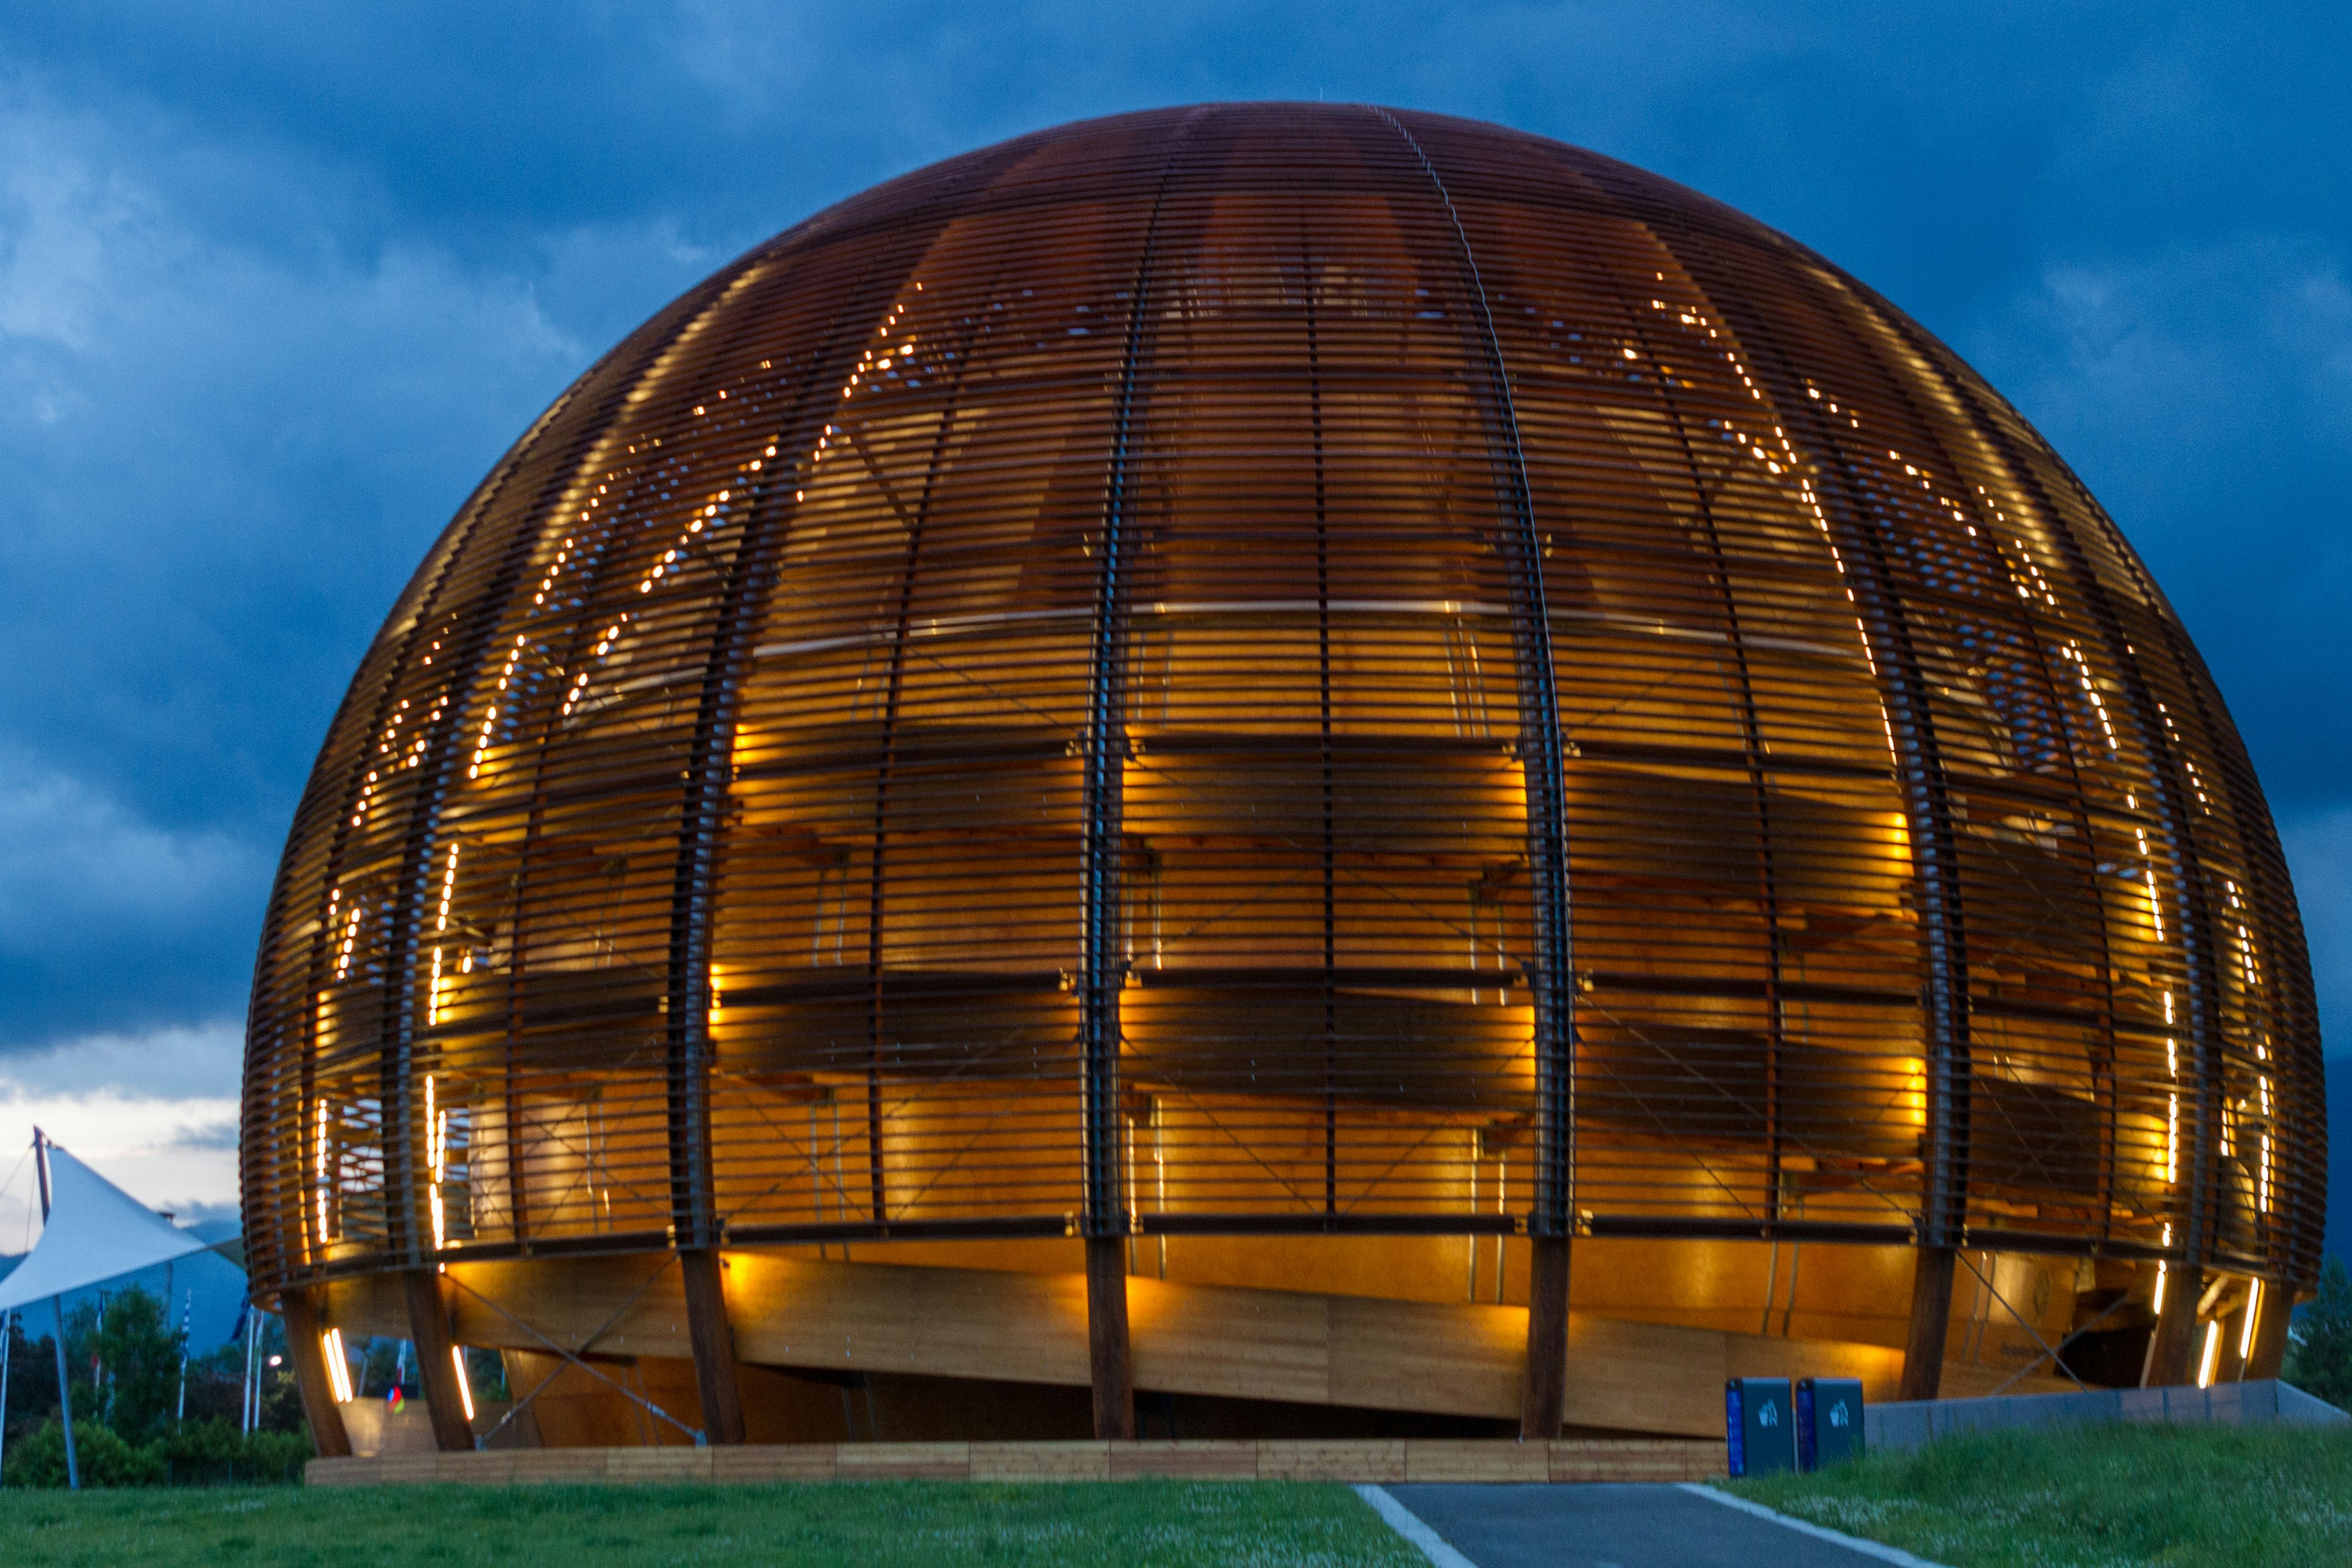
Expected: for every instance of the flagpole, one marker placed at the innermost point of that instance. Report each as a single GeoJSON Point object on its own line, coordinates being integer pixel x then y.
{"type": "Point", "coordinates": [187, 1312]}
{"type": "Point", "coordinates": [65, 1395]}
{"type": "Point", "coordinates": [7, 1343]}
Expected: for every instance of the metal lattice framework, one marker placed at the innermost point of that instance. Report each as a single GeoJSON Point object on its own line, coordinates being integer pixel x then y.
{"type": "Point", "coordinates": [1281, 668]}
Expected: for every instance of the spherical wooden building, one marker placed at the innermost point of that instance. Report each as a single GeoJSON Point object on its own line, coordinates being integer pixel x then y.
{"type": "Point", "coordinates": [1316, 770]}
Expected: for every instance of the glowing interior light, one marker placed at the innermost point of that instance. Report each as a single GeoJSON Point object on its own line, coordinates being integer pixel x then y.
{"type": "Point", "coordinates": [2157, 1305]}
{"type": "Point", "coordinates": [465, 1387]}
{"type": "Point", "coordinates": [2246, 1334]}
{"type": "Point", "coordinates": [2212, 1354]}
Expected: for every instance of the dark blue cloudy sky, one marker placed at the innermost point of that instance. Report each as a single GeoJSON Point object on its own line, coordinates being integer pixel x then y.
{"type": "Point", "coordinates": [278, 283]}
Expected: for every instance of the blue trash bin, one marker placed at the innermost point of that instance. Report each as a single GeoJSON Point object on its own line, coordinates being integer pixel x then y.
{"type": "Point", "coordinates": [1759, 1423]}
{"type": "Point", "coordinates": [1830, 1428]}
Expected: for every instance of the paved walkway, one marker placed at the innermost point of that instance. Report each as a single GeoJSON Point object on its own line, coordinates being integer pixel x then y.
{"type": "Point", "coordinates": [1612, 1527]}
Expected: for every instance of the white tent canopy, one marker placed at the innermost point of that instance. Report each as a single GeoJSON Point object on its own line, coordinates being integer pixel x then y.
{"type": "Point", "coordinates": [95, 1231]}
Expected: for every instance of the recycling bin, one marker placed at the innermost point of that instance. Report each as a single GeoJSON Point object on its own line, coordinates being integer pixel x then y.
{"type": "Point", "coordinates": [1828, 1421]}
{"type": "Point", "coordinates": [1759, 1426]}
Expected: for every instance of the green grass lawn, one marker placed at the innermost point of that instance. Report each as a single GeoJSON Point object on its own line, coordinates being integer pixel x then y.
{"type": "Point", "coordinates": [1109, 1525]}
{"type": "Point", "coordinates": [2096, 1496]}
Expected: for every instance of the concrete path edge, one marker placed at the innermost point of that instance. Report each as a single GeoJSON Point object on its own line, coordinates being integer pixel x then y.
{"type": "Point", "coordinates": [1405, 1523]}
{"type": "Point", "coordinates": [1895, 1554]}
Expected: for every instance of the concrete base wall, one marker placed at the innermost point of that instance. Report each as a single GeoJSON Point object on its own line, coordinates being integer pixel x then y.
{"type": "Point", "coordinates": [1904, 1425]}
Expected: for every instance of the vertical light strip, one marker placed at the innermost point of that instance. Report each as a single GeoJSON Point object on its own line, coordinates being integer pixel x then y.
{"type": "Point", "coordinates": [2172, 1100]}
{"type": "Point", "coordinates": [464, 1388]}
{"type": "Point", "coordinates": [2253, 1305]}
{"type": "Point", "coordinates": [437, 1123]}
{"type": "Point", "coordinates": [2212, 1351]}
{"type": "Point", "coordinates": [338, 1372]}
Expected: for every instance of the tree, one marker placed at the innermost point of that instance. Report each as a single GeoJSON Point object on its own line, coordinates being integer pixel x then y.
{"type": "Point", "coordinates": [140, 1353]}
{"type": "Point", "coordinates": [2319, 1358]}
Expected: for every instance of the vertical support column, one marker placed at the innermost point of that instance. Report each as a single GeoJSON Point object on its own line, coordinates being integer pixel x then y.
{"type": "Point", "coordinates": [1543, 1401]}
{"type": "Point", "coordinates": [428, 1328]}
{"type": "Point", "coordinates": [1109, 1352]}
{"type": "Point", "coordinates": [696, 1227]}
{"type": "Point", "coordinates": [1931, 1321]}
{"type": "Point", "coordinates": [2172, 1356]}
{"type": "Point", "coordinates": [1541, 750]}
{"type": "Point", "coordinates": [2270, 1330]}
{"type": "Point", "coordinates": [1877, 581]}
{"type": "Point", "coordinates": [1104, 745]}
{"type": "Point", "coordinates": [327, 1434]}
{"type": "Point", "coordinates": [714, 1344]}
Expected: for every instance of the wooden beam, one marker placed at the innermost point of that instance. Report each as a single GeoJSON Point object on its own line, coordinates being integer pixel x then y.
{"type": "Point", "coordinates": [1931, 1322]}
{"type": "Point", "coordinates": [2270, 1329]}
{"type": "Point", "coordinates": [1111, 1355]}
{"type": "Point", "coordinates": [327, 1434]}
{"type": "Point", "coordinates": [714, 1344]}
{"type": "Point", "coordinates": [1544, 1398]}
{"type": "Point", "coordinates": [428, 1329]}
{"type": "Point", "coordinates": [2171, 1355]}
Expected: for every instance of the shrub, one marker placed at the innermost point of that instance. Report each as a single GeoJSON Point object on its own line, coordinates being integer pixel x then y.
{"type": "Point", "coordinates": [213, 1453]}
{"type": "Point", "coordinates": [197, 1453]}
{"type": "Point", "coordinates": [103, 1459]}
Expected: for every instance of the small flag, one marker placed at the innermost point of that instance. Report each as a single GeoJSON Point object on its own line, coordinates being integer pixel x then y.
{"type": "Point", "coordinates": [392, 1399]}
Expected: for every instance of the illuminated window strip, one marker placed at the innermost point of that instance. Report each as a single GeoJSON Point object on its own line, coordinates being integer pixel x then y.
{"type": "Point", "coordinates": [319, 1174]}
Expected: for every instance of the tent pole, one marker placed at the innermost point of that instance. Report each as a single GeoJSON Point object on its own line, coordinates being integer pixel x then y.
{"type": "Point", "coordinates": [65, 1395]}
{"type": "Point", "coordinates": [65, 1398]}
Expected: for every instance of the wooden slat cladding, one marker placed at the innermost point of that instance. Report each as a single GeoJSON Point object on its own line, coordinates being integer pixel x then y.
{"type": "Point", "coordinates": [1013, 710]}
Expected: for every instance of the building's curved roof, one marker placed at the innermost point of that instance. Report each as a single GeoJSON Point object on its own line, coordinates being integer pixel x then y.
{"type": "Point", "coordinates": [1206, 668]}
